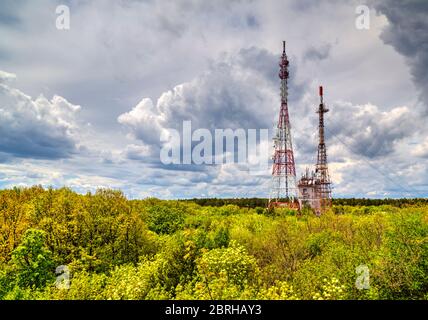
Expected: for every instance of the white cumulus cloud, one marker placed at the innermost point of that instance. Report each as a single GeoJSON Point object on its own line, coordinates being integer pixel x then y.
{"type": "Point", "coordinates": [38, 128]}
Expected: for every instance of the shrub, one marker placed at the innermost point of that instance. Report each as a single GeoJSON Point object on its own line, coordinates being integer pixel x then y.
{"type": "Point", "coordinates": [164, 219]}
{"type": "Point", "coordinates": [32, 262]}
{"type": "Point", "coordinates": [233, 263]}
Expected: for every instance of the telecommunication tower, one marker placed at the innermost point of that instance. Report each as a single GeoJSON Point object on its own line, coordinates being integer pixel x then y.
{"type": "Point", "coordinates": [283, 190]}
{"type": "Point", "coordinates": [315, 187]}
{"type": "Point", "coordinates": [323, 190]}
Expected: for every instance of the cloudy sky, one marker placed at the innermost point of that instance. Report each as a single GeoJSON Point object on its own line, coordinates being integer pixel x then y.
{"type": "Point", "coordinates": [85, 107]}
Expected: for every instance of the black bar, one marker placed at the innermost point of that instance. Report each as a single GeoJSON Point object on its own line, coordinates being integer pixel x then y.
{"type": "Point", "coordinates": [211, 309]}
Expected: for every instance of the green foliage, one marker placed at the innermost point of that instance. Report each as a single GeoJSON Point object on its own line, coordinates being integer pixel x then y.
{"type": "Point", "coordinates": [128, 282]}
{"type": "Point", "coordinates": [208, 248]}
{"type": "Point", "coordinates": [83, 286]}
{"type": "Point", "coordinates": [281, 290]}
{"type": "Point", "coordinates": [232, 263]}
{"type": "Point", "coordinates": [331, 290]}
{"type": "Point", "coordinates": [164, 219]}
{"type": "Point", "coordinates": [221, 238]}
{"type": "Point", "coordinates": [222, 273]}
{"type": "Point", "coordinates": [32, 262]}
{"type": "Point", "coordinates": [404, 265]}
{"type": "Point", "coordinates": [18, 293]}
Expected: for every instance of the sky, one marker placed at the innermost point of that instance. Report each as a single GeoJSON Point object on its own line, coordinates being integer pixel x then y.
{"type": "Point", "coordinates": [85, 107]}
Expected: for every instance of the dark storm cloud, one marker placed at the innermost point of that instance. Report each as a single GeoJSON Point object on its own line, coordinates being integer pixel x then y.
{"type": "Point", "coordinates": [252, 21]}
{"type": "Point", "coordinates": [266, 64]}
{"type": "Point", "coordinates": [407, 32]}
{"type": "Point", "coordinates": [222, 97]}
{"type": "Point", "coordinates": [307, 5]}
{"type": "Point", "coordinates": [9, 13]}
{"type": "Point", "coordinates": [303, 5]}
{"type": "Point", "coordinates": [259, 60]}
{"type": "Point", "coordinates": [5, 157]}
{"type": "Point", "coordinates": [320, 53]}
{"type": "Point", "coordinates": [34, 143]}
{"type": "Point", "coordinates": [239, 91]}
{"type": "Point", "coordinates": [306, 144]}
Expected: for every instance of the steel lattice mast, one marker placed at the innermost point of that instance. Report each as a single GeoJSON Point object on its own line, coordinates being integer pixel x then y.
{"type": "Point", "coordinates": [323, 190]}
{"type": "Point", "coordinates": [283, 189]}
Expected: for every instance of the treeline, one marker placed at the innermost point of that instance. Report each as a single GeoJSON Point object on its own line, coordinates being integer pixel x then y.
{"type": "Point", "coordinates": [240, 202]}
{"type": "Point", "coordinates": [262, 202]}
{"type": "Point", "coordinates": [57, 244]}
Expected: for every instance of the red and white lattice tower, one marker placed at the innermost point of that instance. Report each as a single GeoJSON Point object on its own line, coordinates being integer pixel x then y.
{"type": "Point", "coordinates": [283, 190]}
{"type": "Point", "coordinates": [323, 183]}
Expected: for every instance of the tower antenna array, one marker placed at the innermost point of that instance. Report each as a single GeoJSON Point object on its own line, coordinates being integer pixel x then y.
{"type": "Point", "coordinates": [283, 190]}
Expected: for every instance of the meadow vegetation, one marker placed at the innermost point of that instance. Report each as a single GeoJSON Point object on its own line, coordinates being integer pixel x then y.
{"type": "Point", "coordinates": [115, 248]}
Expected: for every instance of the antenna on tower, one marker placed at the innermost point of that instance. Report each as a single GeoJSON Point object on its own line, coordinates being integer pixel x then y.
{"type": "Point", "coordinates": [323, 190]}
{"type": "Point", "coordinates": [283, 190]}
{"type": "Point", "coordinates": [315, 190]}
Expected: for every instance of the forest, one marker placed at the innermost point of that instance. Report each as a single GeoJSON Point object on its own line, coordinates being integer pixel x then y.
{"type": "Point", "coordinates": [262, 202]}
{"type": "Point", "coordinates": [58, 244]}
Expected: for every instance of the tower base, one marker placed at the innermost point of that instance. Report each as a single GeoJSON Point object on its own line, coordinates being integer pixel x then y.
{"type": "Point", "coordinates": [293, 205]}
